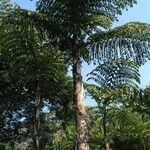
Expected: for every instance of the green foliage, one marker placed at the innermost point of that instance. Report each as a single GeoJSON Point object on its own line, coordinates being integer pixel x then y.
{"type": "Point", "coordinates": [65, 139]}
{"type": "Point", "coordinates": [95, 128]}
{"type": "Point", "coordinates": [54, 136]}
{"type": "Point", "coordinates": [128, 126]}
{"type": "Point", "coordinates": [125, 129]}
{"type": "Point", "coordinates": [18, 75]}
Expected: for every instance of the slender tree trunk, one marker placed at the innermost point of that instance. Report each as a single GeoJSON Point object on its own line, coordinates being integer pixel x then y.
{"type": "Point", "coordinates": [36, 121]}
{"type": "Point", "coordinates": [144, 148]}
{"type": "Point", "coordinates": [79, 107]}
{"type": "Point", "coordinates": [106, 144]}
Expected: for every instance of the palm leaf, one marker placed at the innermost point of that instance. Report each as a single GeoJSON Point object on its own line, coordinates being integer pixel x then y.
{"type": "Point", "coordinates": [116, 73]}
{"type": "Point", "coordinates": [130, 41]}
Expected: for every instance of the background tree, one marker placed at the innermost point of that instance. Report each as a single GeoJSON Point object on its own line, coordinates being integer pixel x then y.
{"type": "Point", "coordinates": [113, 80]}
{"type": "Point", "coordinates": [30, 73]}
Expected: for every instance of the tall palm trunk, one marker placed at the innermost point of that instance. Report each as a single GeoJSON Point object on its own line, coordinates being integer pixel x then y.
{"type": "Point", "coordinates": [79, 107]}
{"type": "Point", "coordinates": [36, 120]}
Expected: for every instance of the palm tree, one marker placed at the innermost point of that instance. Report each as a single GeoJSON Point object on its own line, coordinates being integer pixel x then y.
{"type": "Point", "coordinates": [74, 26]}
{"type": "Point", "coordinates": [113, 79]}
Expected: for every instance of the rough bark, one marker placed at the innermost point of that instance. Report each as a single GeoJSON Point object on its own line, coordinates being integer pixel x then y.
{"type": "Point", "coordinates": [78, 105]}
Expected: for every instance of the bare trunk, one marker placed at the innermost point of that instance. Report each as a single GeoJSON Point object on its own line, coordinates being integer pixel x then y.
{"type": "Point", "coordinates": [36, 121]}
{"type": "Point", "coordinates": [107, 146]}
{"type": "Point", "coordinates": [106, 143]}
{"type": "Point", "coordinates": [79, 107]}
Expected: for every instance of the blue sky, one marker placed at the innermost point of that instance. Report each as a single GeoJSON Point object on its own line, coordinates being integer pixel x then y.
{"type": "Point", "coordinates": [28, 4]}
{"type": "Point", "coordinates": [140, 12]}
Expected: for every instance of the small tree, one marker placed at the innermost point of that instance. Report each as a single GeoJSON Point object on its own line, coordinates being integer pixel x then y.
{"type": "Point", "coordinates": [113, 79]}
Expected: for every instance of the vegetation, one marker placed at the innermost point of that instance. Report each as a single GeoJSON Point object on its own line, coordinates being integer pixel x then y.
{"type": "Point", "coordinates": [42, 107]}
